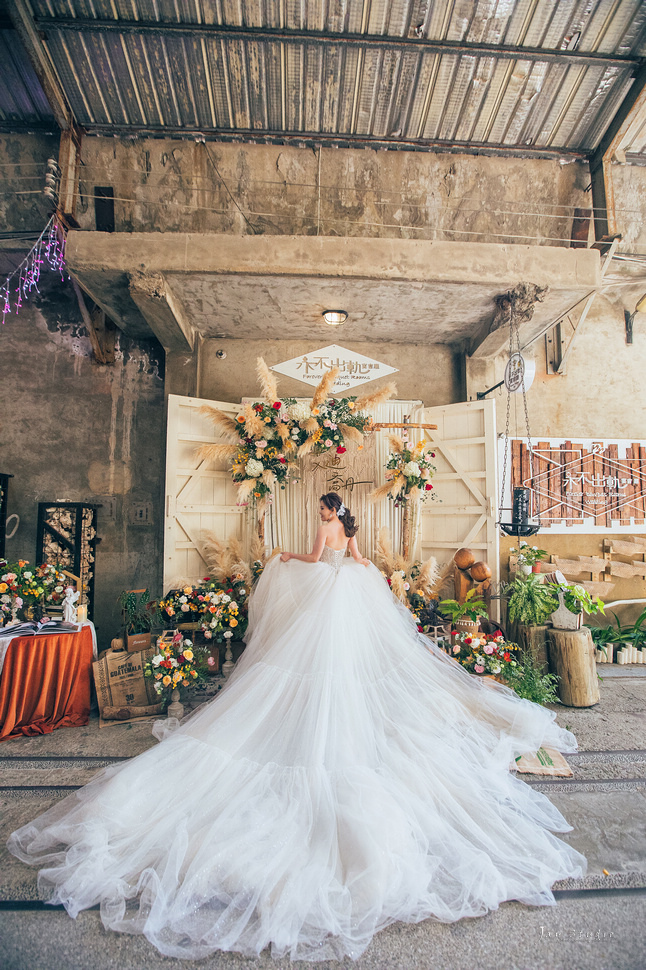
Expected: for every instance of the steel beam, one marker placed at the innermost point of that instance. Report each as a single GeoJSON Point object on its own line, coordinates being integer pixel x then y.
{"type": "Point", "coordinates": [329, 38]}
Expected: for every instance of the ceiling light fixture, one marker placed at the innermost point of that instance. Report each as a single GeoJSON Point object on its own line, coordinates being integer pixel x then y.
{"type": "Point", "coordinates": [334, 317]}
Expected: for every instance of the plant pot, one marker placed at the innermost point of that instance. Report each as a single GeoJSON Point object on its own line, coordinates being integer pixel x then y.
{"type": "Point", "coordinates": [138, 641]}
{"type": "Point", "coordinates": [564, 619]}
{"type": "Point", "coordinates": [536, 568]}
{"type": "Point", "coordinates": [525, 569]}
{"type": "Point", "coordinates": [470, 627]}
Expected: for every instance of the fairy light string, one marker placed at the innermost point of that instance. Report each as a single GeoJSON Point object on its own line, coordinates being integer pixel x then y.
{"type": "Point", "coordinates": [48, 250]}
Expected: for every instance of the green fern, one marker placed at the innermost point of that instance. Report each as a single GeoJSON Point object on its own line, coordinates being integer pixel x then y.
{"type": "Point", "coordinates": [530, 601]}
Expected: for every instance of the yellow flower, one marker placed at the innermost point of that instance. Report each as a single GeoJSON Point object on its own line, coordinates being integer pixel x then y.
{"type": "Point", "coordinates": [166, 681]}
{"type": "Point", "coordinates": [176, 676]}
{"type": "Point", "coordinates": [316, 411]}
{"type": "Point", "coordinates": [267, 420]}
{"type": "Point", "coordinates": [187, 590]}
{"type": "Point", "coordinates": [3, 587]}
{"type": "Point", "coordinates": [233, 621]}
{"type": "Point", "coordinates": [351, 405]}
{"type": "Point", "coordinates": [188, 654]}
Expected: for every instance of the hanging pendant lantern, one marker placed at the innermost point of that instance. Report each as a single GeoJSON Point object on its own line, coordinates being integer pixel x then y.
{"type": "Point", "coordinates": [518, 376]}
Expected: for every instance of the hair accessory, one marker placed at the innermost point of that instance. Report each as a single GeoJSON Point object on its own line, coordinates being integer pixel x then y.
{"type": "Point", "coordinates": [342, 510]}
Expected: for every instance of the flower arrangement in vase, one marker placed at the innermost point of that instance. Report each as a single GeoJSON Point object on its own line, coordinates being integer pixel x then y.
{"type": "Point", "coordinates": [528, 557]}
{"type": "Point", "coordinates": [465, 615]}
{"type": "Point", "coordinates": [174, 665]}
{"type": "Point", "coordinates": [23, 588]}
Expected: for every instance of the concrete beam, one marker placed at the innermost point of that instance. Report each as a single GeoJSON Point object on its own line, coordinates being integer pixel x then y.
{"type": "Point", "coordinates": [162, 311]}
{"type": "Point", "coordinates": [332, 257]}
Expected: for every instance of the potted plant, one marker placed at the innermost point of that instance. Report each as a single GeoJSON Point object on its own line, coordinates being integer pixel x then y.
{"type": "Point", "coordinates": [530, 602]}
{"type": "Point", "coordinates": [139, 614]}
{"type": "Point", "coordinates": [528, 557]}
{"type": "Point", "coordinates": [465, 616]}
{"type": "Point", "coordinates": [573, 600]}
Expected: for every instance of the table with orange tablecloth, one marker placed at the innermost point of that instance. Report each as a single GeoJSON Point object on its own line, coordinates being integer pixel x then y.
{"type": "Point", "coordinates": [45, 683]}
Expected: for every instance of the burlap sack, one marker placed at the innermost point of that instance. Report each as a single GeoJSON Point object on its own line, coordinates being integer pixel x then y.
{"type": "Point", "coordinates": [122, 690]}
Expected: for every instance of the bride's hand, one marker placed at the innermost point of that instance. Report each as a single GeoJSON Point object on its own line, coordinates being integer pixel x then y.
{"type": "Point", "coordinates": [365, 562]}
{"type": "Point", "coordinates": [285, 556]}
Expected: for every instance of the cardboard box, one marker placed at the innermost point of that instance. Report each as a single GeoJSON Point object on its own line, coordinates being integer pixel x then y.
{"type": "Point", "coordinates": [138, 641]}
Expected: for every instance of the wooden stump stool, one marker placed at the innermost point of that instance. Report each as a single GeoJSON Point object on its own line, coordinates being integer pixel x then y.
{"type": "Point", "coordinates": [532, 639]}
{"type": "Point", "coordinates": [572, 657]}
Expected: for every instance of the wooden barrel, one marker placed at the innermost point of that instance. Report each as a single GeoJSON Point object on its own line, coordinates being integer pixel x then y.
{"type": "Point", "coordinates": [572, 658]}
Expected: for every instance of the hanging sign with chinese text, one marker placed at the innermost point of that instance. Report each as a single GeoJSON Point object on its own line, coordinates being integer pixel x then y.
{"type": "Point", "coordinates": [354, 369]}
{"type": "Point", "coordinates": [584, 485]}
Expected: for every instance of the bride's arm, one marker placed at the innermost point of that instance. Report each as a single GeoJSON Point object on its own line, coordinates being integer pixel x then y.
{"type": "Point", "coordinates": [312, 556]}
{"type": "Point", "coordinates": [356, 555]}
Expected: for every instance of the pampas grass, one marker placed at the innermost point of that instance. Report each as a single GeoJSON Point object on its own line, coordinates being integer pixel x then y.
{"type": "Point", "coordinates": [382, 491]}
{"type": "Point", "coordinates": [397, 586]}
{"type": "Point", "coordinates": [245, 490]}
{"type": "Point", "coordinates": [311, 425]}
{"type": "Point", "coordinates": [217, 452]}
{"type": "Point", "coordinates": [370, 401]}
{"type": "Point", "coordinates": [224, 423]}
{"type": "Point", "coordinates": [268, 477]}
{"type": "Point", "coordinates": [268, 383]}
{"type": "Point", "coordinates": [306, 447]}
{"type": "Point", "coordinates": [350, 433]}
{"type": "Point", "coordinates": [283, 431]}
{"type": "Point", "coordinates": [396, 443]}
{"type": "Point", "coordinates": [324, 387]}
{"type": "Point", "coordinates": [254, 426]}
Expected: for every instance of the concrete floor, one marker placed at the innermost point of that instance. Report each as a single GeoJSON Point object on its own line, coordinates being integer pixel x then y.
{"type": "Point", "coordinates": [599, 922]}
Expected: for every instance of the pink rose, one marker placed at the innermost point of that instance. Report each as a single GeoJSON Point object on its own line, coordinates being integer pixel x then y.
{"type": "Point", "coordinates": [328, 443]}
{"type": "Point", "coordinates": [479, 669]}
{"type": "Point", "coordinates": [456, 648]}
{"type": "Point", "coordinates": [210, 661]}
{"type": "Point", "coordinates": [488, 649]}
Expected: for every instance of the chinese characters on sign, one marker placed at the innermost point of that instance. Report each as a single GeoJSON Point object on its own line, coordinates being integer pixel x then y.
{"type": "Point", "coordinates": [596, 484]}
{"type": "Point", "coordinates": [354, 369]}
{"type": "Point", "coordinates": [336, 481]}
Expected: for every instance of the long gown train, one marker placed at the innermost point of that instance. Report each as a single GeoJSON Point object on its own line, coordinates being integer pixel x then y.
{"type": "Point", "coordinates": [349, 775]}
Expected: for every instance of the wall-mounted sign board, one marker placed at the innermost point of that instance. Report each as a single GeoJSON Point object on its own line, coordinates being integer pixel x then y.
{"type": "Point", "coordinates": [582, 485]}
{"type": "Point", "coordinates": [354, 369]}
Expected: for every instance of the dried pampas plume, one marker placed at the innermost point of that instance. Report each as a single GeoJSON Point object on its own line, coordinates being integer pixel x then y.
{"type": "Point", "coordinates": [350, 433]}
{"type": "Point", "coordinates": [223, 423]}
{"type": "Point", "coordinates": [397, 586]}
{"type": "Point", "coordinates": [370, 401]}
{"type": "Point", "coordinates": [396, 443]}
{"type": "Point", "coordinates": [245, 489]}
{"type": "Point", "coordinates": [324, 387]}
{"type": "Point", "coordinates": [383, 491]}
{"type": "Point", "coordinates": [385, 559]}
{"type": "Point", "coordinates": [217, 452]}
{"type": "Point", "coordinates": [306, 447]}
{"type": "Point", "coordinates": [268, 383]}
{"type": "Point", "coordinates": [254, 426]}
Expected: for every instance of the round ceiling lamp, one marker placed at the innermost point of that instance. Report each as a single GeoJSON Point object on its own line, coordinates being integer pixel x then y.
{"type": "Point", "coordinates": [334, 317]}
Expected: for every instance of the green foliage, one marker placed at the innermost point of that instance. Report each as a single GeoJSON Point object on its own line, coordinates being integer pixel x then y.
{"type": "Point", "coordinates": [577, 598]}
{"type": "Point", "coordinates": [139, 612]}
{"type": "Point", "coordinates": [529, 681]}
{"type": "Point", "coordinates": [472, 607]}
{"type": "Point", "coordinates": [531, 602]}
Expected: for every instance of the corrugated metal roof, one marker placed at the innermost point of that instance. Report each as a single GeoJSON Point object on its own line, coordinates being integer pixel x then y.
{"type": "Point", "coordinates": [23, 104]}
{"type": "Point", "coordinates": [500, 75]}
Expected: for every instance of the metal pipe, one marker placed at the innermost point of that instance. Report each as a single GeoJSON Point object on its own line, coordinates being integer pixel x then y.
{"type": "Point", "coordinates": [330, 38]}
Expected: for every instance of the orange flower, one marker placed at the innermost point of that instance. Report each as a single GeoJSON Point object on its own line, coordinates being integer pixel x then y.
{"type": "Point", "coordinates": [23, 562]}
{"type": "Point", "coordinates": [241, 418]}
{"type": "Point", "coordinates": [233, 621]}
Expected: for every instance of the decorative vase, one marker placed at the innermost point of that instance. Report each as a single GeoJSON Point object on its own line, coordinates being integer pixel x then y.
{"type": "Point", "coordinates": [175, 709]}
{"type": "Point", "coordinates": [470, 627]}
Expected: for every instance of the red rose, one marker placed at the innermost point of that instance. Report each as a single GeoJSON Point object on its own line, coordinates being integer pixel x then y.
{"type": "Point", "coordinates": [468, 640]}
{"type": "Point", "coordinates": [206, 579]}
{"type": "Point", "coordinates": [181, 658]}
{"type": "Point", "coordinates": [257, 407]}
{"type": "Point", "coordinates": [432, 454]}
{"type": "Point", "coordinates": [229, 591]}
{"type": "Point", "coordinates": [428, 488]}
{"type": "Point", "coordinates": [340, 451]}
{"type": "Point", "coordinates": [420, 628]}
{"type": "Point", "coordinates": [277, 405]}
{"type": "Point", "coordinates": [283, 461]}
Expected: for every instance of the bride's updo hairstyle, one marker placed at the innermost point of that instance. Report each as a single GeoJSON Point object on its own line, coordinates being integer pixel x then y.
{"type": "Point", "coordinates": [333, 501]}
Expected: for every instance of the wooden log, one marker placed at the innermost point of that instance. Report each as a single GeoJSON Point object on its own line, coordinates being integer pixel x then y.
{"type": "Point", "coordinates": [572, 659]}
{"type": "Point", "coordinates": [531, 639]}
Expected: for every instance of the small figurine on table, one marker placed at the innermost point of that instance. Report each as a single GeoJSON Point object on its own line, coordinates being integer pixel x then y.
{"type": "Point", "coordinates": [72, 596]}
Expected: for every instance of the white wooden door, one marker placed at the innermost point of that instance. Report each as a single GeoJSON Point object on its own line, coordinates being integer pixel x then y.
{"type": "Point", "coordinates": [200, 495]}
{"type": "Point", "coordinates": [465, 510]}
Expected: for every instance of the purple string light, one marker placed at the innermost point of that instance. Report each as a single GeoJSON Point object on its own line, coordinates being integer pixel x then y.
{"type": "Point", "coordinates": [50, 248]}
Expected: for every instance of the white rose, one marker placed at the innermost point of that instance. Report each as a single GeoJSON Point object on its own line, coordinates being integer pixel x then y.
{"type": "Point", "coordinates": [411, 470]}
{"type": "Point", "coordinates": [299, 411]}
{"type": "Point", "coordinates": [183, 599]}
{"type": "Point", "coordinates": [28, 575]}
{"type": "Point", "coordinates": [254, 468]}
{"type": "Point", "coordinates": [225, 598]}
{"type": "Point", "coordinates": [184, 607]}
{"type": "Point", "coordinates": [228, 634]}
{"type": "Point", "coordinates": [157, 660]}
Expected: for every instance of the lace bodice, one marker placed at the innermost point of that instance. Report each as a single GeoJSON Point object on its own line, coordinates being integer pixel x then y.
{"type": "Point", "coordinates": [333, 557]}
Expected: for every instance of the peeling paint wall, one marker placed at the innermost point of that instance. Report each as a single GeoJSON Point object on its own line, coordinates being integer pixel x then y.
{"type": "Point", "coordinates": [73, 430]}
{"type": "Point", "coordinates": [165, 185]}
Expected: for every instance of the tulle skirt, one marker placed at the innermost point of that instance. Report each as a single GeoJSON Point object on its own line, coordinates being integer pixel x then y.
{"type": "Point", "coordinates": [349, 775]}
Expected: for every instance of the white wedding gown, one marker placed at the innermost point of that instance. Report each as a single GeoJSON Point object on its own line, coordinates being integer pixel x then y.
{"type": "Point", "coordinates": [349, 775]}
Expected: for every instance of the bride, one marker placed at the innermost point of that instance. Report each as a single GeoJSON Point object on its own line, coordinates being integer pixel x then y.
{"type": "Point", "coordinates": [350, 774]}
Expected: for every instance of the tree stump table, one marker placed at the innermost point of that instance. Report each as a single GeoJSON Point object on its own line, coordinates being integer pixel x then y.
{"type": "Point", "coordinates": [532, 639]}
{"type": "Point", "coordinates": [572, 658]}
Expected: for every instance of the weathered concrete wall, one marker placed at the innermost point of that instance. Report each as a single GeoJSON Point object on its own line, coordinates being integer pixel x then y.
{"type": "Point", "coordinates": [76, 431]}
{"type": "Point", "coordinates": [601, 395]}
{"type": "Point", "coordinates": [23, 163]}
{"type": "Point", "coordinates": [629, 183]}
{"type": "Point", "coordinates": [427, 372]}
{"type": "Point", "coordinates": [166, 185]}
